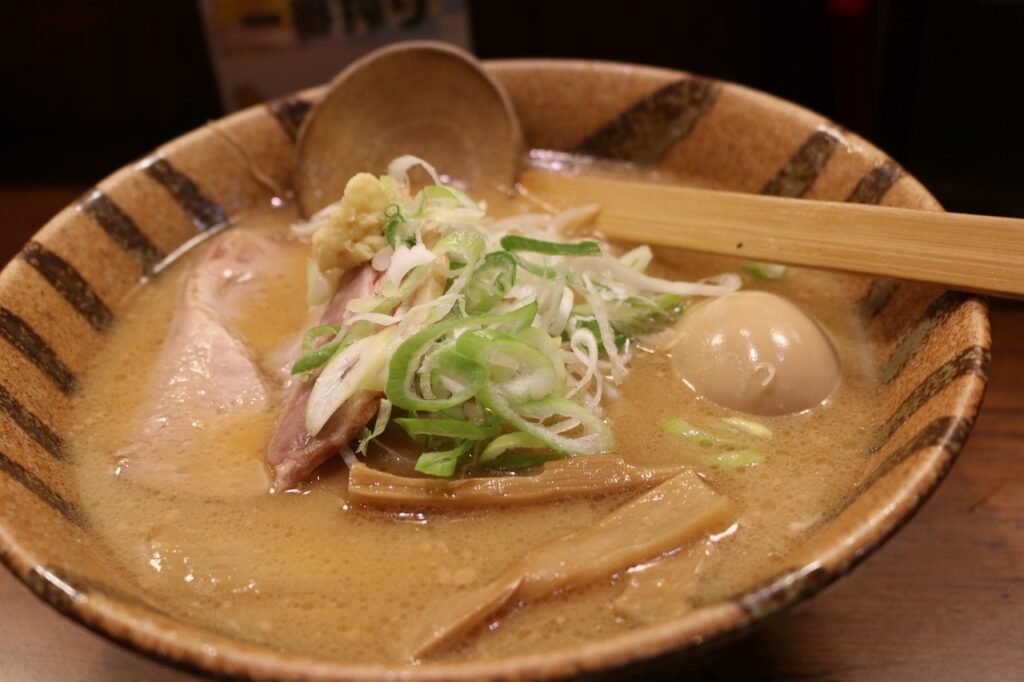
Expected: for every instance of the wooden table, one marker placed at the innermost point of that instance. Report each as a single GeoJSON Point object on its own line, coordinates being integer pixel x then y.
{"type": "Point", "coordinates": [944, 600]}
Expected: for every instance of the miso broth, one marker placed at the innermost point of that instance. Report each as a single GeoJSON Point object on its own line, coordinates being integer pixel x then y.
{"type": "Point", "coordinates": [306, 572]}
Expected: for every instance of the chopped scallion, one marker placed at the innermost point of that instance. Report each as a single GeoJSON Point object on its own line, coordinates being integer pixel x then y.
{"type": "Point", "coordinates": [768, 271]}
{"type": "Point", "coordinates": [517, 243]}
{"type": "Point", "coordinates": [735, 459]}
{"type": "Point", "coordinates": [754, 428]}
{"type": "Point", "coordinates": [406, 361]}
{"type": "Point", "coordinates": [442, 463]}
{"type": "Point", "coordinates": [315, 358]}
{"type": "Point", "coordinates": [537, 270]}
{"type": "Point", "coordinates": [449, 428]}
{"type": "Point", "coordinates": [383, 415]}
{"type": "Point", "coordinates": [491, 281]}
{"type": "Point", "coordinates": [683, 429]}
{"type": "Point", "coordinates": [398, 230]}
{"type": "Point", "coordinates": [500, 446]}
{"type": "Point", "coordinates": [314, 333]}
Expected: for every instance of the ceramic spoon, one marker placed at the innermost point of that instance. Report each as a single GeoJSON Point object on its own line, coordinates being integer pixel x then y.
{"type": "Point", "coordinates": [426, 98]}
{"type": "Point", "coordinates": [437, 102]}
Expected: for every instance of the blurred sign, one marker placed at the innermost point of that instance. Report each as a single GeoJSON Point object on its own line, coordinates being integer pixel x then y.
{"type": "Point", "coordinates": [263, 49]}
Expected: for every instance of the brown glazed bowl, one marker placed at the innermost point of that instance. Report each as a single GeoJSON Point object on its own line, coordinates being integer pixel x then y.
{"type": "Point", "coordinates": [74, 278]}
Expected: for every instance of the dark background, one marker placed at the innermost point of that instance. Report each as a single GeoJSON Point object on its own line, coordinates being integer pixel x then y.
{"type": "Point", "coordinates": [89, 86]}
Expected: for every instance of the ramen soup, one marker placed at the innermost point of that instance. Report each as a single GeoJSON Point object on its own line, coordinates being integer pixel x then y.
{"type": "Point", "coordinates": [409, 431]}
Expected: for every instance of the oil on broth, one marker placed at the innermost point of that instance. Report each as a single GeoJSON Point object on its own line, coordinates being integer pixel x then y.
{"type": "Point", "coordinates": [307, 573]}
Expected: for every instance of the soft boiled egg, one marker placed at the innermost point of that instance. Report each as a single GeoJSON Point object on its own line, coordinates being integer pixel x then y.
{"type": "Point", "coordinates": [755, 352]}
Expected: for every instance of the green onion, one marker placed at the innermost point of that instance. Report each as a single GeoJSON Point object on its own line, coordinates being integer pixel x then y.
{"type": "Point", "coordinates": [463, 250]}
{"type": "Point", "coordinates": [636, 315]}
{"type": "Point", "coordinates": [445, 204]}
{"type": "Point", "coordinates": [460, 197]}
{"type": "Point", "coordinates": [358, 367]}
{"type": "Point", "coordinates": [449, 428]}
{"type": "Point", "coordinates": [537, 270]}
{"type": "Point", "coordinates": [466, 246]}
{"type": "Point", "coordinates": [453, 373]}
{"type": "Point", "coordinates": [394, 295]}
{"type": "Point", "coordinates": [581, 322]}
{"type": "Point", "coordinates": [414, 209]}
{"type": "Point", "coordinates": [735, 459]}
{"type": "Point", "coordinates": [769, 271]}
{"type": "Point", "coordinates": [681, 428]}
{"type": "Point", "coordinates": [516, 243]}
{"type": "Point", "coordinates": [316, 358]}
{"type": "Point", "coordinates": [383, 415]}
{"type": "Point", "coordinates": [535, 418]}
{"type": "Point", "coordinates": [442, 463]}
{"type": "Point", "coordinates": [638, 258]}
{"type": "Point", "coordinates": [397, 230]}
{"type": "Point", "coordinates": [406, 361]}
{"type": "Point", "coordinates": [314, 333]}
{"type": "Point", "coordinates": [491, 281]}
{"type": "Point", "coordinates": [509, 441]}
{"type": "Point", "coordinates": [628, 317]}
{"type": "Point", "coordinates": [754, 428]}
{"type": "Point", "coordinates": [551, 346]}
{"type": "Point", "coordinates": [438, 192]}
{"type": "Point", "coordinates": [320, 286]}
{"type": "Point", "coordinates": [528, 372]}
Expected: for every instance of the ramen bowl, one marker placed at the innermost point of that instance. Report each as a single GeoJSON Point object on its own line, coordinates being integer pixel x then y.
{"type": "Point", "coordinates": [77, 274]}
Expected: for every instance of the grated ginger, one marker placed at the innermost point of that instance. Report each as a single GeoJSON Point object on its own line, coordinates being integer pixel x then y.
{"type": "Point", "coordinates": [353, 233]}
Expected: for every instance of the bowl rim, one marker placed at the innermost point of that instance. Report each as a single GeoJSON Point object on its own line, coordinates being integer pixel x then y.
{"type": "Point", "coordinates": [197, 650]}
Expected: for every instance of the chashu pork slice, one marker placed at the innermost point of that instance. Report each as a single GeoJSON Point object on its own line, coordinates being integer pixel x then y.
{"type": "Point", "coordinates": [207, 381]}
{"type": "Point", "coordinates": [293, 453]}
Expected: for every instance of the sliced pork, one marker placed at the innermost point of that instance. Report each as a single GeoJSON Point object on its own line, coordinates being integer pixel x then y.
{"type": "Point", "coordinates": [207, 379]}
{"type": "Point", "coordinates": [293, 453]}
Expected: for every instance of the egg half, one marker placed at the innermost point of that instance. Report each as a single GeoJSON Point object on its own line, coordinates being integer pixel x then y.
{"type": "Point", "coordinates": [755, 352]}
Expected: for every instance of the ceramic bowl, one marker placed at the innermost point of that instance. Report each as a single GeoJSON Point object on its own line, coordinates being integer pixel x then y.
{"type": "Point", "coordinates": [74, 278]}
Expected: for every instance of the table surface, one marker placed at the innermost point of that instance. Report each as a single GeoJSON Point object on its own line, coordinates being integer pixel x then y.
{"type": "Point", "coordinates": [943, 600]}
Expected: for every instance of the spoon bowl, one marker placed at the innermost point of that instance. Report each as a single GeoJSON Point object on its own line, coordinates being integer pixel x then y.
{"type": "Point", "coordinates": [426, 98]}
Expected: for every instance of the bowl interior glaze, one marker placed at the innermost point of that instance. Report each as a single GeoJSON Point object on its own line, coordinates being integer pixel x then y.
{"type": "Point", "coordinates": [75, 276]}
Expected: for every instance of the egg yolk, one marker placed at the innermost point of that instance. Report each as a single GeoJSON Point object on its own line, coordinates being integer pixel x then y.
{"type": "Point", "coordinates": [755, 352]}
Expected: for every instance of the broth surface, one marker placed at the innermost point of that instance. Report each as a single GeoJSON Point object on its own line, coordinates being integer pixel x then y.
{"type": "Point", "coordinates": [305, 572]}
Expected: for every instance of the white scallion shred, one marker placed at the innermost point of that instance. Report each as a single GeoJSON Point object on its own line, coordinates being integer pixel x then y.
{"type": "Point", "coordinates": [319, 286]}
{"type": "Point", "coordinates": [754, 428]}
{"type": "Point", "coordinates": [360, 366]}
{"type": "Point", "coordinates": [405, 259]}
{"type": "Point", "coordinates": [613, 268]}
{"type": "Point", "coordinates": [400, 167]}
{"type": "Point", "coordinates": [585, 349]}
{"type": "Point", "coordinates": [638, 258]}
{"type": "Point", "coordinates": [617, 362]}
{"type": "Point", "coordinates": [374, 318]}
{"type": "Point", "coordinates": [348, 457]}
{"type": "Point", "coordinates": [381, 260]}
{"type": "Point", "coordinates": [574, 221]}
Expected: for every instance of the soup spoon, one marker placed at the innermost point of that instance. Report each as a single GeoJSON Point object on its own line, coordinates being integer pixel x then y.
{"type": "Point", "coordinates": [437, 102]}
{"type": "Point", "coordinates": [425, 98]}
